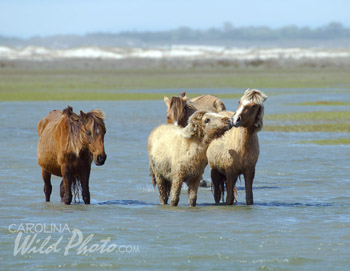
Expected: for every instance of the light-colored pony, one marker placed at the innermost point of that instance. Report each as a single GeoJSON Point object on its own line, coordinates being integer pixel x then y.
{"type": "Point", "coordinates": [237, 151]}
{"type": "Point", "coordinates": [178, 155]}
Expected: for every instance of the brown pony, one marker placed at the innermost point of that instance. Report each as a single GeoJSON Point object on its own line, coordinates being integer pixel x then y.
{"type": "Point", "coordinates": [237, 151]}
{"type": "Point", "coordinates": [68, 143]}
{"type": "Point", "coordinates": [179, 108]}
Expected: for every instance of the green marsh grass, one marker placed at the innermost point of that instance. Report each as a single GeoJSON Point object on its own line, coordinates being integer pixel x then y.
{"type": "Point", "coordinates": [338, 141]}
{"type": "Point", "coordinates": [326, 103]}
{"type": "Point", "coordinates": [334, 116]}
{"type": "Point", "coordinates": [18, 84]}
{"type": "Point", "coordinates": [319, 121]}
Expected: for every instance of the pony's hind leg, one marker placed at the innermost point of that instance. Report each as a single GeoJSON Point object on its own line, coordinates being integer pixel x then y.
{"type": "Point", "coordinates": [62, 191]}
{"type": "Point", "coordinates": [47, 184]}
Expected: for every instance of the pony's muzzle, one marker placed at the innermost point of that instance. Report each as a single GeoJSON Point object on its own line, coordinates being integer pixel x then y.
{"type": "Point", "coordinates": [100, 160]}
{"type": "Point", "coordinates": [236, 122]}
{"type": "Point", "coordinates": [228, 123]}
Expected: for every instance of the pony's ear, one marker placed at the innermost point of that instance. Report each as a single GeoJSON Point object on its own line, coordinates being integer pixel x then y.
{"type": "Point", "coordinates": [83, 115]}
{"type": "Point", "coordinates": [184, 97]}
{"type": "Point", "coordinates": [167, 101]}
{"type": "Point", "coordinates": [258, 124]}
{"type": "Point", "coordinates": [194, 125]}
{"type": "Point", "coordinates": [188, 131]}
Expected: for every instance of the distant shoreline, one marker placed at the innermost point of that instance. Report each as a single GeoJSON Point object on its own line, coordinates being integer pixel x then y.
{"type": "Point", "coordinates": [99, 79]}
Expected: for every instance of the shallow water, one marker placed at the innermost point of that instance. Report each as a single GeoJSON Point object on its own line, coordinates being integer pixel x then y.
{"type": "Point", "coordinates": [300, 220]}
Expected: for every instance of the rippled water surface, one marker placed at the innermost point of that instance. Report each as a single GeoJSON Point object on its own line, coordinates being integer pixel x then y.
{"type": "Point", "coordinates": [300, 220]}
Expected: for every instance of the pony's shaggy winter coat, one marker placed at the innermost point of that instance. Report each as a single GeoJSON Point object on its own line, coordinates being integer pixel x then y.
{"type": "Point", "coordinates": [68, 143]}
{"type": "Point", "coordinates": [178, 155]}
{"type": "Point", "coordinates": [237, 151]}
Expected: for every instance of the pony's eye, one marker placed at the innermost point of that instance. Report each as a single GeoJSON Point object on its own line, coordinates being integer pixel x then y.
{"type": "Point", "coordinates": [207, 121]}
{"type": "Point", "coordinates": [88, 133]}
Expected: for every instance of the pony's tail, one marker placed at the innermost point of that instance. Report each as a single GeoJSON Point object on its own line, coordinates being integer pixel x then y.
{"type": "Point", "coordinates": [154, 183]}
{"type": "Point", "coordinates": [76, 187]}
{"type": "Point", "coordinates": [223, 187]}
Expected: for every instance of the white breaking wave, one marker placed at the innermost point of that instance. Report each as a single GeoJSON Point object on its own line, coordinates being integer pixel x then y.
{"type": "Point", "coordinates": [172, 52]}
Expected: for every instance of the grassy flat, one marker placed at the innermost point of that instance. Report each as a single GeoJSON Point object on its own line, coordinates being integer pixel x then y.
{"type": "Point", "coordinates": [18, 84]}
{"type": "Point", "coordinates": [329, 103]}
{"type": "Point", "coordinates": [319, 121]}
{"type": "Point", "coordinates": [312, 116]}
{"type": "Point", "coordinates": [340, 141]}
{"type": "Point", "coordinates": [326, 127]}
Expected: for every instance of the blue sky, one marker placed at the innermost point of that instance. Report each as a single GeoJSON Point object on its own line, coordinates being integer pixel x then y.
{"type": "Point", "coordinates": [25, 18]}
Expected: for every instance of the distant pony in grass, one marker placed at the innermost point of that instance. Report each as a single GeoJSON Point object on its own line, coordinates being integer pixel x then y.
{"type": "Point", "coordinates": [179, 108]}
{"type": "Point", "coordinates": [237, 151]}
{"type": "Point", "coordinates": [67, 145]}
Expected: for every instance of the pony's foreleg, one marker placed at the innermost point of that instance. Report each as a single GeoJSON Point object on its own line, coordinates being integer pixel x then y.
{"type": "Point", "coordinates": [192, 191]}
{"type": "Point", "coordinates": [47, 184]}
{"type": "Point", "coordinates": [231, 179]}
{"type": "Point", "coordinates": [163, 188]}
{"type": "Point", "coordinates": [67, 184]}
{"type": "Point", "coordinates": [248, 180]}
{"type": "Point", "coordinates": [84, 180]}
{"type": "Point", "coordinates": [175, 191]}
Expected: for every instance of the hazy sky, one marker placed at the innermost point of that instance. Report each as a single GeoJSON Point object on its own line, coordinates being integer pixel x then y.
{"type": "Point", "coordinates": [25, 18]}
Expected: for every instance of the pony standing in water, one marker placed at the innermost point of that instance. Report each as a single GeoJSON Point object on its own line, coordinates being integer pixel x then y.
{"type": "Point", "coordinates": [68, 143]}
{"type": "Point", "coordinates": [237, 151]}
{"type": "Point", "coordinates": [179, 108]}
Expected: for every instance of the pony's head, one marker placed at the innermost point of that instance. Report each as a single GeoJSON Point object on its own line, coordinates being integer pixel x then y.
{"type": "Point", "coordinates": [94, 131]}
{"type": "Point", "coordinates": [207, 125]}
{"type": "Point", "coordinates": [178, 110]}
{"type": "Point", "coordinates": [250, 111]}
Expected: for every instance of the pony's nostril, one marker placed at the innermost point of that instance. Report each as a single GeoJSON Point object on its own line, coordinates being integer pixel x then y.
{"type": "Point", "coordinates": [238, 119]}
{"type": "Point", "coordinates": [100, 158]}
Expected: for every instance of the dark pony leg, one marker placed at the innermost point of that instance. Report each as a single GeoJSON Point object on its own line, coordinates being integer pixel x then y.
{"type": "Point", "coordinates": [248, 179]}
{"type": "Point", "coordinates": [62, 191]}
{"type": "Point", "coordinates": [231, 179]}
{"type": "Point", "coordinates": [219, 184]}
{"type": "Point", "coordinates": [47, 184]}
{"type": "Point", "coordinates": [67, 184]}
{"type": "Point", "coordinates": [84, 180]}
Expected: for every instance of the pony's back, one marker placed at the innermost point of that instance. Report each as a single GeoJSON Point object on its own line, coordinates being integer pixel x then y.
{"type": "Point", "coordinates": [209, 103]}
{"type": "Point", "coordinates": [53, 117]}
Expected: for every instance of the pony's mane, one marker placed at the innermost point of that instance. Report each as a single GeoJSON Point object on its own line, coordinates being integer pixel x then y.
{"type": "Point", "coordinates": [75, 138]}
{"type": "Point", "coordinates": [256, 96]}
{"type": "Point", "coordinates": [96, 118]}
{"type": "Point", "coordinates": [177, 104]}
{"type": "Point", "coordinates": [77, 131]}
